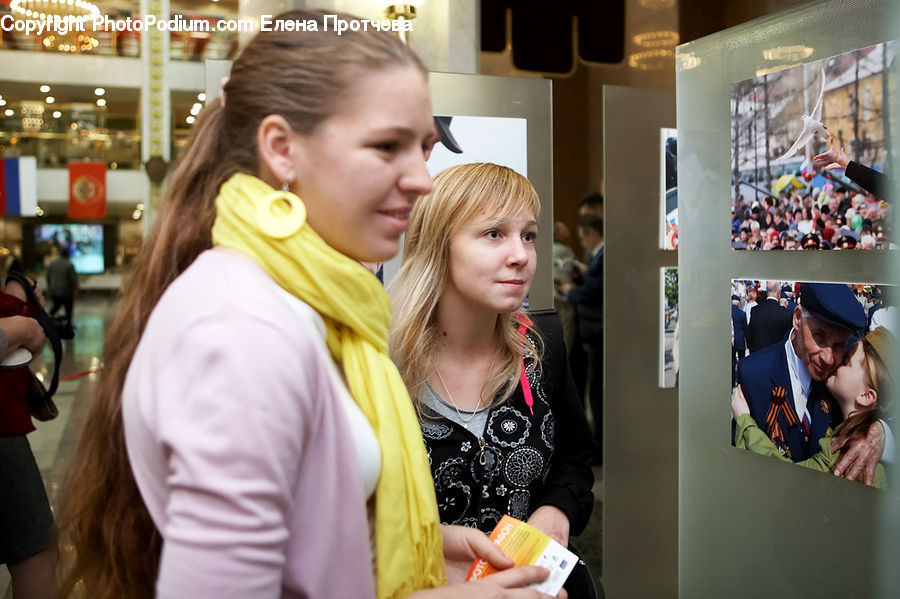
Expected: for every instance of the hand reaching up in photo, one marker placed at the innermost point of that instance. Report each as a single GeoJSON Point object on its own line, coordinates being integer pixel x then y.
{"type": "Point", "coordinates": [831, 158]}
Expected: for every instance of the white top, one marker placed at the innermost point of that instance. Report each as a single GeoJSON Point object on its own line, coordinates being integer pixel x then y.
{"type": "Point", "coordinates": [748, 308]}
{"type": "Point", "coordinates": [368, 453]}
{"type": "Point", "coordinates": [236, 426]}
{"type": "Point", "coordinates": [800, 378]}
{"type": "Point", "coordinates": [886, 317]}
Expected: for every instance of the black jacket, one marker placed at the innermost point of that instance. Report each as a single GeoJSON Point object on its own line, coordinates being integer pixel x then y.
{"type": "Point", "coordinates": [588, 299]}
{"type": "Point", "coordinates": [769, 323]}
{"type": "Point", "coordinates": [527, 460]}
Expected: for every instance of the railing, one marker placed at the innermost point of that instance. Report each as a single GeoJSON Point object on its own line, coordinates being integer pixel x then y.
{"type": "Point", "coordinates": [184, 45]}
{"type": "Point", "coordinates": [119, 149]}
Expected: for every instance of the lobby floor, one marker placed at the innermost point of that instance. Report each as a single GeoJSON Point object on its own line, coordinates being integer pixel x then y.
{"type": "Point", "coordinates": [54, 441]}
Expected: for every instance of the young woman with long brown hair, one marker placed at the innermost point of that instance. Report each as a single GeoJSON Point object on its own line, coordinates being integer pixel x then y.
{"type": "Point", "coordinates": [251, 437]}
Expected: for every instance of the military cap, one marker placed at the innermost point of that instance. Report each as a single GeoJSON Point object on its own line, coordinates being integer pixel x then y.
{"type": "Point", "coordinates": [810, 241]}
{"type": "Point", "coordinates": [846, 243]}
{"type": "Point", "coordinates": [833, 303]}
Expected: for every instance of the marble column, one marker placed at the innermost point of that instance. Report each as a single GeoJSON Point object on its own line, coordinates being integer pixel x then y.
{"type": "Point", "coordinates": [156, 103]}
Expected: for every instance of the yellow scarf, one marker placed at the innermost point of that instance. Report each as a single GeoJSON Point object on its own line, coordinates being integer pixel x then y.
{"type": "Point", "coordinates": [357, 313]}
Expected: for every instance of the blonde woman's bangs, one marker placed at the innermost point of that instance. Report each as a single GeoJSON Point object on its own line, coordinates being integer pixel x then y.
{"type": "Point", "coordinates": [469, 191]}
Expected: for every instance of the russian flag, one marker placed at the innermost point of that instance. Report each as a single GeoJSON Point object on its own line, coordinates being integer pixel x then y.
{"type": "Point", "coordinates": [18, 186]}
{"type": "Point", "coordinates": [806, 170]}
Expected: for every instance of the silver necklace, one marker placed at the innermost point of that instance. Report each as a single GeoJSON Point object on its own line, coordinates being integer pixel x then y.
{"type": "Point", "coordinates": [465, 422]}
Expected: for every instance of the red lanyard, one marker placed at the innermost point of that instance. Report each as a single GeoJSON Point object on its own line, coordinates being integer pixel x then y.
{"type": "Point", "coordinates": [523, 378]}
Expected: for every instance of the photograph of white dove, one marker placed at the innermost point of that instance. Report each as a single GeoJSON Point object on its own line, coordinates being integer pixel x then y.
{"type": "Point", "coordinates": [812, 125]}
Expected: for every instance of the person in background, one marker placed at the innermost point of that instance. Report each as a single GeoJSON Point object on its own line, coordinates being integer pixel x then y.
{"type": "Point", "coordinates": [886, 315]}
{"type": "Point", "coordinates": [591, 204]}
{"type": "Point", "coordinates": [588, 299]}
{"type": "Point", "coordinates": [869, 179]}
{"type": "Point", "coordinates": [751, 303]}
{"type": "Point", "coordinates": [769, 321]}
{"type": "Point", "coordinates": [251, 436]}
{"type": "Point", "coordinates": [26, 522]}
{"type": "Point", "coordinates": [738, 328]}
{"type": "Point", "coordinates": [563, 259]}
{"type": "Point", "coordinates": [505, 431]}
{"type": "Point", "coordinates": [62, 284]}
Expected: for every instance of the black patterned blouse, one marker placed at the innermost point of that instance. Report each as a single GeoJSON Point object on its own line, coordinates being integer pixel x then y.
{"type": "Point", "coordinates": [521, 461]}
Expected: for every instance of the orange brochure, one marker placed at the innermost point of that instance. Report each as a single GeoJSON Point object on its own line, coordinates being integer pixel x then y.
{"type": "Point", "coordinates": [526, 545]}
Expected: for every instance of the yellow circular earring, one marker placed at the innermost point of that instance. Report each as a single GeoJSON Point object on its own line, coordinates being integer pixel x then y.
{"type": "Point", "coordinates": [280, 224]}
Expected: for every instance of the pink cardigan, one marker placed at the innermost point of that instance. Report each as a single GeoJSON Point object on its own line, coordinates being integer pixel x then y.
{"type": "Point", "coordinates": [239, 444]}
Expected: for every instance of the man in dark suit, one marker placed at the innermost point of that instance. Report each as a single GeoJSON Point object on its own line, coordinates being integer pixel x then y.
{"type": "Point", "coordinates": [587, 297]}
{"type": "Point", "coordinates": [787, 292]}
{"type": "Point", "coordinates": [769, 321]}
{"type": "Point", "coordinates": [876, 295]}
{"type": "Point", "coordinates": [739, 326]}
{"type": "Point", "coordinates": [784, 383]}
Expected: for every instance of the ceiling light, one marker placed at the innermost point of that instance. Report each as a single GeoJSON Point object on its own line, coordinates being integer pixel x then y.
{"type": "Point", "coordinates": [657, 39]}
{"type": "Point", "coordinates": [788, 53]}
{"type": "Point", "coordinates": [2, 102]}
{"type": "Point", "coordinates": [45, 89]}
{"type": "Point", "coordinates": [201, 96]}
{"type": "Point", "coordinates": [403, 12]}
{"type": "Point", "coordinates": [651, 60]}
{"type": "Point", "coordinates": [9, 112]}
{"type": "Point", "coordinates": [50, 100]}
{"type": "Point", "coordinates": [56, 114]}
{"type": "Point", "coordinates": [78, 11]}
{"type": "Point", "coordinates": [101, 102]}
{"type": "Point", "coordinates": [99, 91]}
{"type": "Point", "coordinates": [190, 119]}
{"type": "Point", "coordinates": [775, 69]}
{"type": "Point", "coordinates": [688, 60]}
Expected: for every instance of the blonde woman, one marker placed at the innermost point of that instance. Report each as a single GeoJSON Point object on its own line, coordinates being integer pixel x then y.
{"type": "Point", "coordinates": [505, 431]}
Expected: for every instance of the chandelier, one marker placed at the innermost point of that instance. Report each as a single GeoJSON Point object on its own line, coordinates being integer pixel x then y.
{"type": "Point", "coordinates": [64, 22]}
{"type": "Point", "coordinates": [77, 11]}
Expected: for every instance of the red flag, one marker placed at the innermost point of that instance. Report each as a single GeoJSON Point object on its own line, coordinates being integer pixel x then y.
{"type": "Point", "coordinates": [87, 190]}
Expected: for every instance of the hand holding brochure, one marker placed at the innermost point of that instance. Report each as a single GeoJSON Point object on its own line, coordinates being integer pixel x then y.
{"type": "Point", "coordinates": [526, 545]}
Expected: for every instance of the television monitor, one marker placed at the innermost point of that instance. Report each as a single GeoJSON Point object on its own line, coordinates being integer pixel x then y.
{"type": "Point", "coordinates": [85, 243]}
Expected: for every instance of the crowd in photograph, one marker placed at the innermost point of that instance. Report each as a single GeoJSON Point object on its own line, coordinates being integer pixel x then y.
{"type": "Point", "coordinates": [833, 217]}
{"type": "Point", "coordinates": [874, 299]}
